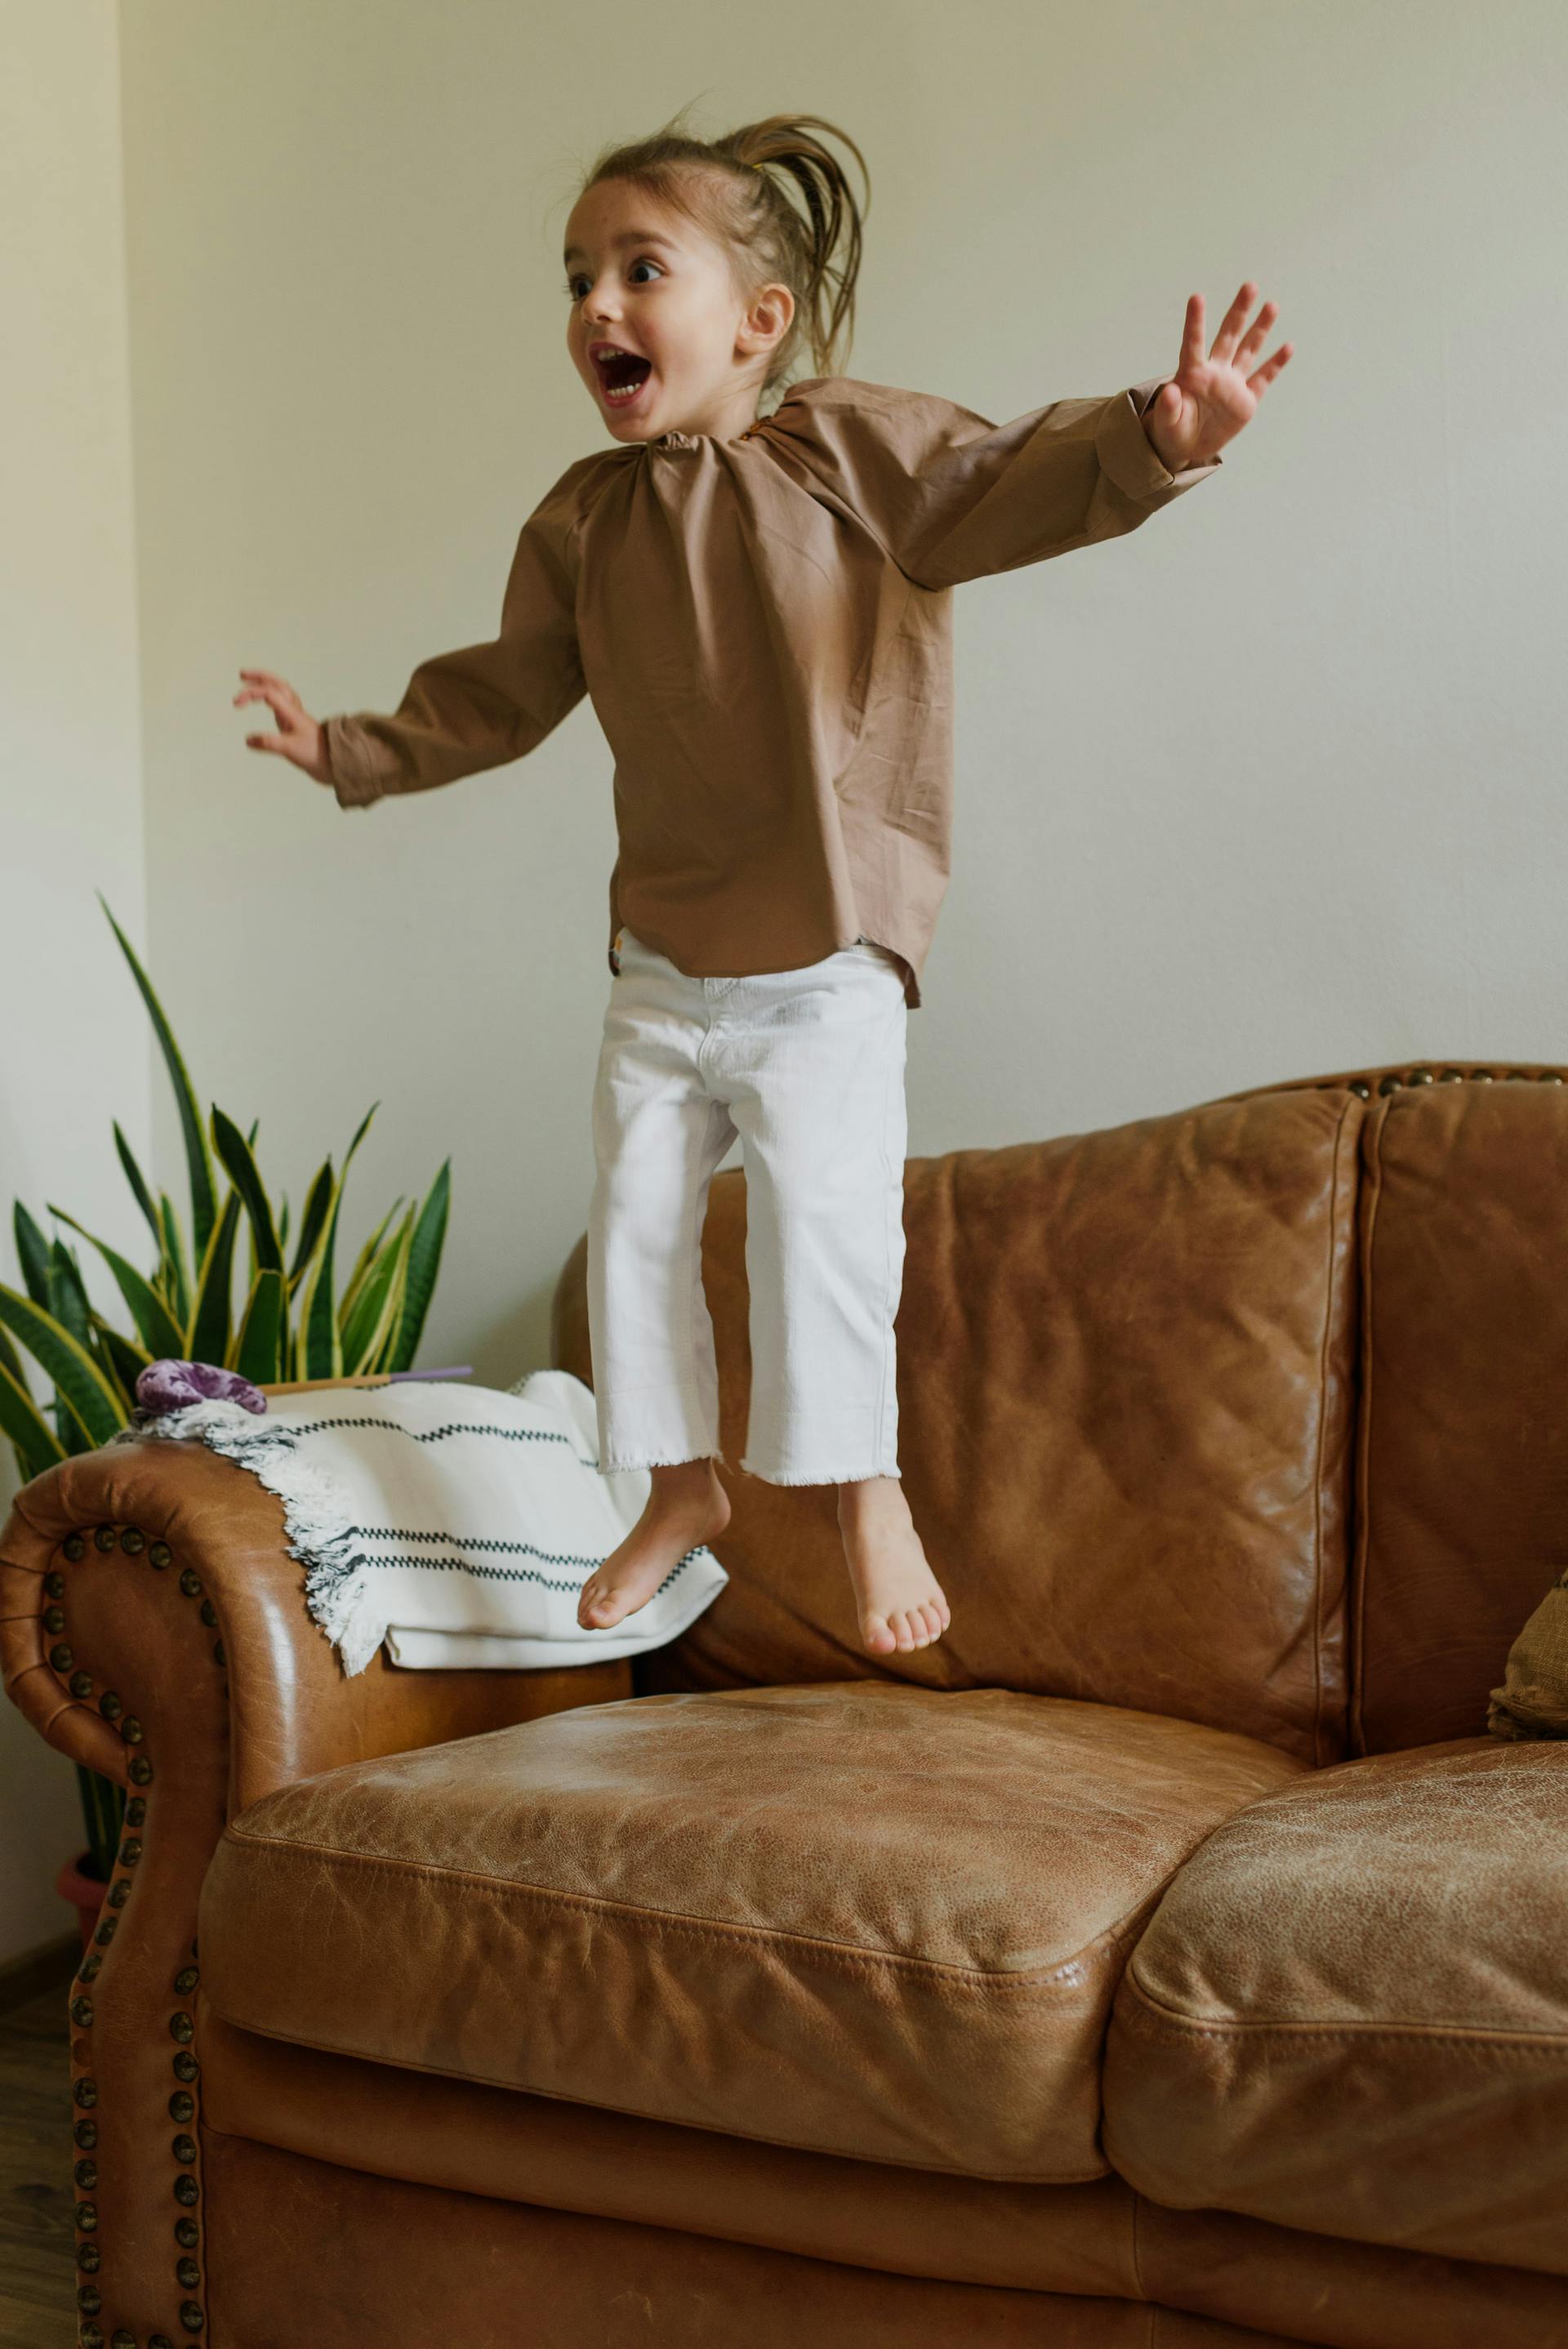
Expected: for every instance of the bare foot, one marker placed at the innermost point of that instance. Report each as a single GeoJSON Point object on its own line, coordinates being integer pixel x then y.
{"type": "Point", "coordinates": [899, 1599]}
{"type": "Point", "coordinates": [687, 1506]}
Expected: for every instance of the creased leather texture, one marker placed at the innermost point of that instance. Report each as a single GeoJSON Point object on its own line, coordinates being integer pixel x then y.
{"type": "Point", "coordinates": [308, 2256]}
{"type": "Point", "coordinates": [886, 1922]}
{"type": "Point", "coordinates": [1463, 1466]}
{"type": "Point", "coordinates": [1349, 2012]}
{"type": "Point", "coordinates": [1124, 1373]}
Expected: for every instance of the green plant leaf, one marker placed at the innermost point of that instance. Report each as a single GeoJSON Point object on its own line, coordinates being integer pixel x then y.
{"type": "Point", "coordinates": [68, 1299]}
{"type": "Point", "coordinates": [210, 1325]}
{"type": "Point", "coordinates": [424, 1264]}
{"type": "Point", "coordinates": [82, 1387]}
{"type": "Point", "coordinates": [317, 1200]}
{"type": "Point", "coordinates": [123, 1359]}
{"type": "Point", "coordinates": [32, 1254]}
{"type": "Point", "coordinates": [134, 1177]}
{"type": "Point", "coordinates": [259, 1348]}
{"type": "Point", "coordinates": [321, 1339]}
{"type": "Point", "coordinates": [365, 1329]}
{"type": "Point", "coordinates": [197, 1159]}
{"type": "Point", "coordinates": [37, 1445]}
{"type": "Point", "coordinates": [156, 1326]}
{"type": "Point", "coordinates": [174, 1282]}
{"type": "Point", "coordinates": [364, 1265]}
{"type": "Point", "coordinates": [236, 1152]}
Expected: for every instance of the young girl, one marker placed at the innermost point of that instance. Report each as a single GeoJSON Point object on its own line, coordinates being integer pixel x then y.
{"type": "Point", "coordinates": [760, 608]}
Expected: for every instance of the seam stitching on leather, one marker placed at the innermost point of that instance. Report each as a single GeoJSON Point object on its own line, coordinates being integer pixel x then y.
{"type": "Point", "coordinates": [1485, 2039]}
{"type": "Point", "coordinates": [721, 1928]}
{"type": "Point", "coordinates": [1329, 1303]}
{"type": "Point", "coordinates": [1362, 1555]}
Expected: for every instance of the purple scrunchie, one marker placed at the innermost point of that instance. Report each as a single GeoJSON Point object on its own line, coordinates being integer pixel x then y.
{"type": "Point", "coordinates": [171, 1386]}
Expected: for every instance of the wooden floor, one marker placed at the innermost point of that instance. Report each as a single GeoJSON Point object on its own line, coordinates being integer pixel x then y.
{"type": "Point", "coordinates": [37, 2241]}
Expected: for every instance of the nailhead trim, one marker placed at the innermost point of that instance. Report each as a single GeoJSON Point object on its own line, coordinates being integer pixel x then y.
{"type": "Point", "coordinates": [182, 2103]}
{"type": "Point", "coordinates": [1393, 1081]}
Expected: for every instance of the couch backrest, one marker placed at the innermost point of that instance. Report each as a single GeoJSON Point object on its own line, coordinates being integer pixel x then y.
{"type": "Point", "coordinates": [1462, 1480]}
{"type": "Point", "coordinates": [1125, 1396]}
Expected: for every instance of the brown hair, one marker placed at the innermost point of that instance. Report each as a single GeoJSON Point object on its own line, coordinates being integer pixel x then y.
{"type": "Point", "coordinates": [735, 188]}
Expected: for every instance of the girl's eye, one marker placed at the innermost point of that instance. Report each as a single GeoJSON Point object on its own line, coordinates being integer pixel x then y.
{"type": "Point", "coordinates": [644, 264]}
{"type": "Point", "coordinates": [574, 282]}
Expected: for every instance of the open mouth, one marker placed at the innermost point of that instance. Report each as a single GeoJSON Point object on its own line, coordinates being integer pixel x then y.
{"type": "Point", "coordinates": [622, 374]}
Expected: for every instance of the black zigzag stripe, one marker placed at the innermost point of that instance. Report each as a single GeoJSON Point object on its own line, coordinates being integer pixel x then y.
{"type": "Point", "coordinates": [438, 1435]}
{"type": "Point", "coordinates": [505, 1573]}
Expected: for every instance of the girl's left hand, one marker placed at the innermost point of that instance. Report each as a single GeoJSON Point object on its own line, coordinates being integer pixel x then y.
{"type": "Point", "coordinates": [1208, 401]}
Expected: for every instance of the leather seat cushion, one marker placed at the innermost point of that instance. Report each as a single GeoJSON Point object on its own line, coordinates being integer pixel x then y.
{"type": "Point", "coordinates": [859, 1918]}
{"type": "Point", "coordinates": [1349, 2012]}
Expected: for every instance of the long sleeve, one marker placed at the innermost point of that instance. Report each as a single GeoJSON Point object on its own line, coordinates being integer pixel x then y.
{"type": "Point", "coordinates": [950, 496]}
{"type": "Point", "coordinates": [483, 704]}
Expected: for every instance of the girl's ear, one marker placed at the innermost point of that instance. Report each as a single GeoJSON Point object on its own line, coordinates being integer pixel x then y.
{"type": "Point", "coordinates": [769, 317]}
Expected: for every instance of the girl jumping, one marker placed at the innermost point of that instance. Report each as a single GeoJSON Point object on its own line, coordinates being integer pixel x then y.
{"type": "Point", "coordinates": [760, 608]}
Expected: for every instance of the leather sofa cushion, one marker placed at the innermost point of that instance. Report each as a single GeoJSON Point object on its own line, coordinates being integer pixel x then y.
{"type": "Point", "coordinates": [1463, 1515]}
{"type": "Point", "coordinates": [1349, 2014]}
{"type": "Point", "coordinates": [1126, 1364]}
{"type": "Point", "coordinates": [862, 1919]}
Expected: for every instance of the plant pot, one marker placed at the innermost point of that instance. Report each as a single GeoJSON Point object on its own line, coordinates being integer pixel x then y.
{"type": "Point", "coordinates": [84, 1892]}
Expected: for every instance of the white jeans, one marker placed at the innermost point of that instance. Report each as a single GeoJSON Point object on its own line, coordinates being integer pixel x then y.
{"type": "Point", "coordinates": [807, 1066]}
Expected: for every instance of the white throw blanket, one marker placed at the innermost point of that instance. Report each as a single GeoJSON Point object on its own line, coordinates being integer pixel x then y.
{"type": "Point", "coordinates": [457, 1523]}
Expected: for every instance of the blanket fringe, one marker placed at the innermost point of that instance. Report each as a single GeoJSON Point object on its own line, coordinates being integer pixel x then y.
{"type": "Point", "coordinates": [338, 1594]}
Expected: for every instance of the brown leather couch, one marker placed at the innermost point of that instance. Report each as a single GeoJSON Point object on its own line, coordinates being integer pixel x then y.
{"type": "Point", "coordinates": [1167, 1958]}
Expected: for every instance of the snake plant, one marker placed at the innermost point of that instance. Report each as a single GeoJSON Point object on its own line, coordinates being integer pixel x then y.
{"type": "Point", "coordinates": [293, 1324]}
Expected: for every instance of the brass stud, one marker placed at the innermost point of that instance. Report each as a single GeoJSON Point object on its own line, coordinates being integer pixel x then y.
{"type": "Point", "coordinates": [105, 1933]}
{"type": "Point", "coordinates": [89, 2299]}
{"type": "Point", "coordinates": [118, 1893]}
{"type": "Point", "coordinates": [133, 1539]}
{"type": "Point", "coordinates": [186, 2068]}
{"type": "Point", "coordinates": [122, 2339]}
{"type": "Point", "coordinates": [105, 1537]}
{"type": "Point", "coordinates": [82, 2013]}
{"type": "Point", "coordinates": [1361, 1089]}
{"type": "Point", "coordinates": [136, 1810]}
{"type": "Point", "coordinates": [139, 1769]}
{"type": "Point", "coordinates": [53, 1619]}
{"type": "Point", "coordinates": [90, 2336]}
{"type": "Point", "coordinates": [131, 1851]}
{"type": "Point", "coordinates": [86, 2134]}
{"type": "Point", "coordinates": [186, 1980]}
{"type": "Point", "coordinates": [111, 1706]}
{"type": "Point", "coordinates": [190, 2316]}
{"type": "Point", "coordinates": [1453, 1077]}
{"type": "Point", "coordinates": [185, 2190]}
{"type": "Point", "coordinates": [180, 2027]}
{"type": "Point", "coordinates": [187, 2233]}
{"type": "Point", "coordinates": [181, 2106]}
{"type": "Point", "coordinates": [1550, 1077]}
{"type": "Point", "coordinates": [87, 2217]}
{"type": "Point", "coordinates": [209, 1614]}
{"type": "Point", "coordinates": [81, 1683]}
{"type": "Point", "coordinates": [158, 1555]}
{"type": "Point", "coordinates": [187, 2272]}
{"type": "Point", "coordinates": [184, 2150]}
{"type": "Point", "coordinates": [158, 2341]}
{"type": "Point", "coordinates": [131, 1730]}
{"type": "Point", "coordinates": [62, 1657]}
{"type": "Point", "coordinates": [1420, 1077]}
{"type": "Point", "coordinates": [90, 2258]}
{"type": "Point", "coordinates": [1482, 1077]}
{"type": "Point", "coordinates": [189, 1582]}
{"type": "Point", "coordinates": [73, 1546]}
{"type": "Point", "coordinates": [1390, 1083]}
{"type": "Point", "coordinates": [55, 1583]}
{"type": "Point", "coordinates": [1517, 1077]}
{"type": "Point", "coordinates": [85, 2091]}
{"type": "Point", "coordinates": [85, 2175]}
{"type": "Point", "coordinates": [88, 1968]}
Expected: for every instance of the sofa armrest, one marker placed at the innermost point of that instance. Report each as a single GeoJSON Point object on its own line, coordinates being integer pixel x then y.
{"type": "Point", "coordinates": [153, 1625]}
{"type": "Point", "coordinates": [143, 1536]}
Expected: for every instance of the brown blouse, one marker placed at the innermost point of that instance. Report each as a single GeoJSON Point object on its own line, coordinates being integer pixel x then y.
{"type": "Point", "coordinates": [763, 627]}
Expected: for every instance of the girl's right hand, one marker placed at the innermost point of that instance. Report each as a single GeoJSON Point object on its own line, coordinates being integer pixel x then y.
{"type": "Point", "coordinates": [300, 738]}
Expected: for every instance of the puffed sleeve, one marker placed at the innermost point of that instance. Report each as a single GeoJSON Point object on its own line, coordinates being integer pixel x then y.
{"type": "Point", "coordinates": [952, 496]}
{"type": "Point", "coordinates": [483, 704]}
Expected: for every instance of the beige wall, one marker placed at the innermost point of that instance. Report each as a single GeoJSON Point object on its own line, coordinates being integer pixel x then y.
{"type": "Point", "coordinates": [1273, 787]}
{"type": "Point", "coordinates": [72, 1042]}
